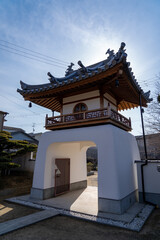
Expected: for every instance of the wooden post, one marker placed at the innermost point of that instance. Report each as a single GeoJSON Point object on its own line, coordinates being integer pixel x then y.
{"type": "Point", "coordinates": [101, 99]}
{"type": "Point", "coordinates": [83, 115]}
{"type": "Point", "coordinates": [109, 109]}
{"type": "Point", "coordinates": [46, 119]}
{"type": "Point", "coordinates": [129, 121]}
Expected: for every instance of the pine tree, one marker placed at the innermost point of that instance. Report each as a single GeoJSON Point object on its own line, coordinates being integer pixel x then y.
{"type": "Point", "coordinates": [11, 148]}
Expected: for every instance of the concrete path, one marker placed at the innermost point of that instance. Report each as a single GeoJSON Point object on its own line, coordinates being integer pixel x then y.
{"type": "Point", "coordinates": [17, 223]}
{"type": "Point", "coordinates": [84, 204]}
{"type": "Point", "coordinates": [85, 201]}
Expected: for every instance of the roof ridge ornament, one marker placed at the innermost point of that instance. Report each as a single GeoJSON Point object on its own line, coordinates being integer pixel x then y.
{"type": "Point", "coordinates": [84, 69]}
{"type": "Point", "coordinates": [52, 79]}
{"type": "Point", "coordinates": [111, 56]}
{"type": "Point", "coordinates": [69, 69]}
{"type": "Point", "coordinates": [147, 95]}
{"type": "Point", "coordinates": [111, 53]}
{"type": "Point", "coordinates": [121, 52]}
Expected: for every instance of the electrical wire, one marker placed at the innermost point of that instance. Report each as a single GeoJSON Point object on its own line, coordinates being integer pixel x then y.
{"type": "Point", "coordinates": [19, 105]}
{"type": "Point", "coordinates": [31, 58]}
{"type": "Point", "coordinates": [43, 58]}
{"type": "Point", "coordinates": [35, 105]}
{"type": "Point", "coordinates": [34, 52]}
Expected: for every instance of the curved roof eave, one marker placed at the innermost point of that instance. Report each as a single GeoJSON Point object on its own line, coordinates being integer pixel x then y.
{"type": "Point", "coordinates": [84, 73]}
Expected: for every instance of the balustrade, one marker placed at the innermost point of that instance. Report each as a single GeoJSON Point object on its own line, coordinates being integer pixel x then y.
{"type": "Point", "coordinates": [92, 115]}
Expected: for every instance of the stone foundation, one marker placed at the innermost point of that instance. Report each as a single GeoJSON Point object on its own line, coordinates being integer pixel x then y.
{"type": "Point", "coordinates": [150, 197]}
{"type": "Point", "coordinates": [42, 194]}
{"type": "Point", "coordinates": [78, 185]}
{"type": "Point", "coordinates": [117, 206]}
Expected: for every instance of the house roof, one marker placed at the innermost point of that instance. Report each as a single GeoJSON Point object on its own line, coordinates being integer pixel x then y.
{"type": "Point", "coordinates": [12, 129]}
{"type": "Point", "coordinates": [29, 138]}
{"type": "Point", "coordinates": [101, 75]}
{"type": "Point", "coordinates": [5, 113]}
{"type": "Point", "coordinates": [16, 131]}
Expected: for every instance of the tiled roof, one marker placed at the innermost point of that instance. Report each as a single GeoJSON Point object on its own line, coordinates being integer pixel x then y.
{"type": "Point", "coordinates": [12, 129]}
{"type": "Point", "coordinates": [83, 72]}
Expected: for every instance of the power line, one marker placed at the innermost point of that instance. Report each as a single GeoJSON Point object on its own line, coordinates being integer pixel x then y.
{"type": "Point", "coordinates": [19, 105]}
{"type": "Point", "coordinates": [43, 58]}
{"type": "Point", "coordinates": [35, 105]}
{"type": "Point", "coordinates": [25, 115]}
{"type": "Point", "coordinates": [34, 51]}
{"type": "Point", "coordinates": [31, 58]}
{"type": "Point", "coordinates": [29, 124]}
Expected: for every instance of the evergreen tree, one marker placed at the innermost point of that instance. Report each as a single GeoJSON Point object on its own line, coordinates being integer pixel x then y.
{"type": "Point", "coordinates": [11, 148]}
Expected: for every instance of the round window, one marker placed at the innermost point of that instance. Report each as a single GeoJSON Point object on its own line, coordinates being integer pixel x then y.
{"type": "Point", "coordinates": [80, 107]}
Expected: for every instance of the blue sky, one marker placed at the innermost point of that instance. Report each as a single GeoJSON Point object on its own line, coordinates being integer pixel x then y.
{"type": "Point", "coordinates": [70, 31]}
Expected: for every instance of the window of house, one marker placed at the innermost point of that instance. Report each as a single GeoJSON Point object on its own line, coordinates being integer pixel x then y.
{"type": "Point", "coordinates": [80, 107]}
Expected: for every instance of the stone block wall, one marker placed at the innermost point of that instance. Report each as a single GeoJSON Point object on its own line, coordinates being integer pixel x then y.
{"type": "Point", "coordinates": [153, 146]}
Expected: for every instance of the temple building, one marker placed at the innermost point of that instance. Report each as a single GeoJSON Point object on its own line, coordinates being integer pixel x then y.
{"type": "Point", "coordinates": [88, 101]}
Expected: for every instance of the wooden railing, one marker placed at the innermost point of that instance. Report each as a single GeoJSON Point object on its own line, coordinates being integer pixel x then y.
{"type": "Point", "coordinates": [120, 118]}
{"type": "Point", "coordinates": [97, 114]}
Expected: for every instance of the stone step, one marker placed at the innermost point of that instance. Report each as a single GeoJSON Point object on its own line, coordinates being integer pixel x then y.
{"type": "Point", "coordinates": [21, 222]}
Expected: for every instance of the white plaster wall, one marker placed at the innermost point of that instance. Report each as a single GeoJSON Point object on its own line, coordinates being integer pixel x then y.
{"type": "Point", "coordinates": [151, 178]}
{"type": "Point", "coordinates": [106, 102]}
{"type": "Point", "coordinates": [117, 151]}
{"type": "Point", "coordinates": [117, 172]}
{"type": "Point", "coordinates": [110, 98]}
{"type": "Point", "coordinates": [77, 155]}
{"type": "Point", "coordinates": [91, 104]}
{"type": "Point", "coordinates": [76, 151]}
{"type": "Point", "coordinates": [81, 96]}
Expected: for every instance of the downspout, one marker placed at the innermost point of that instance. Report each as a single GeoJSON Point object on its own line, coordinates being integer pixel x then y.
{"type": "Point", "coordinates": [145, 150]}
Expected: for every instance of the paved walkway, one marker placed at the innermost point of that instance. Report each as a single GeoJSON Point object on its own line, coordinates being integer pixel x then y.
{"type": "Point", "coordinates": [21, 222]}
{"type": "Point", "coordinates": [84, 201]}
{"type": "Point", "coordinates": [84, 204]}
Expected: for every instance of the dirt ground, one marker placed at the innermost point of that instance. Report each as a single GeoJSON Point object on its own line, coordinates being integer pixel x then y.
{"type": "Point", "coordinates": [9, 211]}
{"type": "Point", "coordinates": [62, 227]}
{"type": "Point", "coordinates": [66, 228]}
{"type": "Point", "coordinates": [11, 186]}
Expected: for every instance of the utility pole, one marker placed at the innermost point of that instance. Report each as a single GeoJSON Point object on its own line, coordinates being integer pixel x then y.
{"type": "Point", "coordinates": [33, 125]}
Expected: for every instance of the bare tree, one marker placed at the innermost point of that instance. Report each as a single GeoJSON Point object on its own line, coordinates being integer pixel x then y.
{"type": "Point", "coordinates": [152, 119]}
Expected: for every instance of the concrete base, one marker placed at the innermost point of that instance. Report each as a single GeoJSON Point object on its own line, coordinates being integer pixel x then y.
{"type": "Point", "coordinates": [42, 194]}
{"type": "Point", "coordinates": [78, 185]}
{"type": "Point", "coordinates": [84, 204]}
{"type": "Point", "coordinates": [117, 206]}
{"type": "Point", "coordinates": [150, 197]}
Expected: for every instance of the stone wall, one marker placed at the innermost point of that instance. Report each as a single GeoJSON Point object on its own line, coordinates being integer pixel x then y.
{"type": "Point", "coordinates": [153, 146]}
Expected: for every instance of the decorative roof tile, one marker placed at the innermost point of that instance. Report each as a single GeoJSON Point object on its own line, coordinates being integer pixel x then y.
{"type": "Point", "coordinates": [85, 72]}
